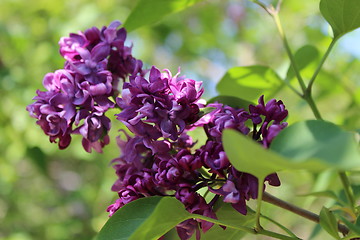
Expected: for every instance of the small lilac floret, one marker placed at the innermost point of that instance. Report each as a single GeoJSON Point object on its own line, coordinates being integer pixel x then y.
{"type": "Point", "coordinates": [160, 106]}
{"type": "Point", "coordinates": [126, 195]}
{"type": "Point", "coordinates": [212, 156]}
{"type": "Point", "coordinates": [196, 204]}
{"type": "Point", "coordinates": [270, 116]}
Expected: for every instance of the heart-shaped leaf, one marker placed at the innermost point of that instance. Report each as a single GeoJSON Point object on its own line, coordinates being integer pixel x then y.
{"type": "Point", "coordinates": [313, 145]}
{"type": "Point", "coordinates": [150, 218]}
{"type": "Point", "coordinates": [249, 82]}
{"type": "Point", "coordinates": [149, 12]}
{"type": "Point", "coordinates": [342, 15]}
{"type": "Point", "coordinates": [249, 156]}
{"type": "Point", "coordinates": [229, 215]}
{"type": "Point", "coordinates": [145, 218]}
{"type": "Point", "coordinates": [303, 58]}
{"type": "Point", "coordinates": [232, 101]}
{"type": "Point", "coordinates": [316, 139]}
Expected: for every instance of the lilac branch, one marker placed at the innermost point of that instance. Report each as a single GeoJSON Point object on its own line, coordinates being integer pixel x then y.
{"type": "Point", "coordinates": [299, 211]}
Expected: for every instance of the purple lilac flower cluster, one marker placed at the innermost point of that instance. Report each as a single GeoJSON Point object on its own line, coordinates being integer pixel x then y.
{"type": "Point", "coordinates": [158, 157]}
{"type": "Point", "coordinates": [77, 96]}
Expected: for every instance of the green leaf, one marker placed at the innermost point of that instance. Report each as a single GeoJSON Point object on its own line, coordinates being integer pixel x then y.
{"type": "Point", "coordinates": [231, 101]}
{"type": "Point", "coordinates": [313, 145]}
{"type": "Point", "coordinates": [149, 12]}
{"type": "Point", "coordinates": [249, 82]}
{"type": "Point", "coordinates": [249, 156]}
{"type": "Point", "coordinates": [318, 140]}
{"type": "Point", "coordinates": [342, 15]}
{"type": "Point", "coordinates": [144, 219]}
{"type": "Point", "coordinates": [218, 233]}
{"type": "Point", "coordinates": [229, 215]}
{"type": "Point", "coordinates": [328, 222]}
{"type": "Point", "coordinates": [152, 217]}
{"type": "Point", "coordinates": [303, 57]}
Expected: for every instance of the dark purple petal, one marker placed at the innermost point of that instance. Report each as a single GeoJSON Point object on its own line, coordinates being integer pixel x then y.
{"type": "Point", "coordinates": [187, 228]}
{"type": "Point", "coordinates": [100, 52]}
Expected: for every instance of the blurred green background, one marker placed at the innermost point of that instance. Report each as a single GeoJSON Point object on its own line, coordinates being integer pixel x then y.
{"type": "Point", "coordinates": [46, 193]}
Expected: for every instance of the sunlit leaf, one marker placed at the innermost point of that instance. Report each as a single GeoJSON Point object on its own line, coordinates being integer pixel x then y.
{"type": "Point", "coordinates": [249, 83]}
{"type": "Point", "coordinates": [229, 215]}
{"type": "Point", "coordinates": [313, 145]}
{"type": "Point", "coordinates": [151, 217]}
{"type": "Point", "coordinates": [248, 156]}
{"type": "Point", "coordinates": [218, 233]}
{"type": "Point", "coordinates": [231, 101]}
{"type": "Point", "coordinates": [328, 222]}
{"type": "Point", "coordinates": [342, 15]}
{"type": "Point", "coordinates": [315, 139]}
{"type": "Point", "coordinates": [303, 57]}
{"type": "Point", "coordinates": [149, 12]}
{"type": "Point", "coordinates": [145, 218]}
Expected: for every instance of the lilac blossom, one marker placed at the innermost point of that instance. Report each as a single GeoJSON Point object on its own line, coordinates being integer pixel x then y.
{"type": "Point", "coordinates": [158, 156]}
{"type": "Point", "coordinates": [78, 96]}
{"type": "Point", "coordinates": [196, 204]}
{"type": "Point", "coordinates": [54, 114]}
{"type": "Point", "coordinates": [126, 195]}
{"type": "Point", "coordinates": [94, 132]}
{"type": "Point", "coordinates": [187, 228]}
{"type": "Point", "coordinates": [158, 162]}
{"type": "Point", "coordinates": [187, 161]}
{"type": "Point", "coordinates": [226, 117]}
{"type": "Point", "coordinates": [239, 186]}
{"type": "Point", "coordinates": [160, 106]}
{"type": "Point", "coordinates": [213, 157]}
{"type": "Point", "coordinates": [100, 49]}
{"type": "Point", "coordinates": [68, 45]}
{"type": "Point", "coordinates": [135, 167]}
{"type": "Point", "coordinates": [270, 116]}
{"type": "Point", "coordinates": [71, 106]}
{"type": "Point", "coordinates": [170, 173]}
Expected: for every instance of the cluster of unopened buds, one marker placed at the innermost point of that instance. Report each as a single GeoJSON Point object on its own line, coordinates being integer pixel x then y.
{"type": "Point", "coordinates": [158, 155]}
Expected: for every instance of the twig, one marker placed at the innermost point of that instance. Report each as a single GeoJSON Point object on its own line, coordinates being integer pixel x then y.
{"type": "Point", "coordinates": [299, 211]}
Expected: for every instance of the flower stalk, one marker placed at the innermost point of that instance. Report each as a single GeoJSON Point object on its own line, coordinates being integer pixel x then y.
{"type": "Point", "coordinates": [347, 189]}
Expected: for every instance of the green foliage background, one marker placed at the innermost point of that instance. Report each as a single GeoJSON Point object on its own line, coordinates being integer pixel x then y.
{"type": "Point", "coordinates": [50, 194]}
